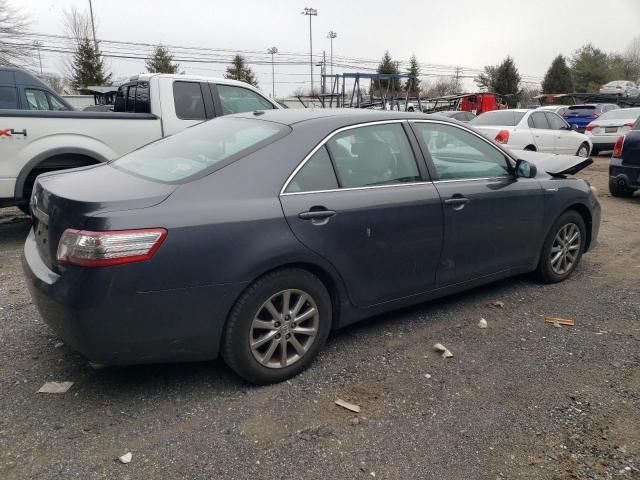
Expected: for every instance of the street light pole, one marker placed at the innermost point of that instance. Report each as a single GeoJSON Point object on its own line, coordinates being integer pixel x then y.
{"type": "Point", "coordinates": [273, 51]}
{"type": "Point", "coordinates": [310, 12]}
{"type": "Point", "coordinates": [331, 36]}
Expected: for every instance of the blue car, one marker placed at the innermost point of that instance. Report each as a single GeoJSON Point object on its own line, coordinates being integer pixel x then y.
{"type": "Point", "coordinates": [252, 236]}
{"type": "Point", "coordinates": [582, 115]}
{"type": "Point", "coordinates": [624, 169]}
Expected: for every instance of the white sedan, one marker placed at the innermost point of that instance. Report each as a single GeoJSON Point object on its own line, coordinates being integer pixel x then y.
{"type": "Point", "coordinates": [535, 130]}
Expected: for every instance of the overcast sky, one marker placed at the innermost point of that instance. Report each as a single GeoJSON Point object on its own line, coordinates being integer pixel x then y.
{"type": "Point", "coordinates": [468, 33]}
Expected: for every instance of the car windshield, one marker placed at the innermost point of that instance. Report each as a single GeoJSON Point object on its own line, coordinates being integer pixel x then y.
{"type": "Point", "coordinates": [582, 110]}
{"type": "Point", "coordinates": [621, 114]}
{"type": "Point", "coordinates": [194, 150]}
{"type": "Point", "coordinates": [507, 118]}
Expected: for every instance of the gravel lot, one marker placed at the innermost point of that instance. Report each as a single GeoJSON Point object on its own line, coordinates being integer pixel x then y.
{"type": "Point", "coordinates": [521, 399]}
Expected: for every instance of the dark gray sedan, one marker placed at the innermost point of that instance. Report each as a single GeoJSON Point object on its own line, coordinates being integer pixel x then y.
{"type": "Point", "coordinates": [252, 236]}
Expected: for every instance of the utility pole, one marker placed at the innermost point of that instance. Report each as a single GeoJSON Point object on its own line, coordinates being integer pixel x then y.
{"type": "Point", "coordinates": [331, 36]}
{"type": "Point", "coordinates": [93, 26]}
{"type": "Point", "coordinates": [38, 44]}
{"type": "Point", "coordinates": [273, 51]}
{"type": "Point", "coordinates": [310, 12]}
{"type": "Point", "coordinates": [457, 84]}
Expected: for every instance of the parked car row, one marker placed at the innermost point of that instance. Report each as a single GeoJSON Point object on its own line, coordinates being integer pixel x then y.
{"type": "Point", "coordinates": [624, 88]}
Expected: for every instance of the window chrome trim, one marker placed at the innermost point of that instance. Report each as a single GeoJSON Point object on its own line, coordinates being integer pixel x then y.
{"type": "Point", "coordinates": [329, 137]}
{"type": "Point", "coordinates": [348, 189]}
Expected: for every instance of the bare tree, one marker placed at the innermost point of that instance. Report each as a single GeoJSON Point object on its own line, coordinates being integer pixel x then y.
{"type": "Point", "coordinates": [58, 83]}
{"type": "Point", "coordinates": [439, 87]}
{"type": "Point", "coordinates": [632, 56]}
{"type": "Point", "coordinates": [77, 24]}
{"type": "Point", "coordinates": [14, 25]}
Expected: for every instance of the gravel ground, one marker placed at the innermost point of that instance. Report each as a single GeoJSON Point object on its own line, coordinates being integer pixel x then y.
{"type": "Point", "coordinates": [521, 399]}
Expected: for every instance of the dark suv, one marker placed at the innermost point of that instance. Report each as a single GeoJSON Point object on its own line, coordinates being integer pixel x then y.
{"type": "Point", "coordinates": [624, 170]}
{"type": "Point", "coordinates": [23, 91]}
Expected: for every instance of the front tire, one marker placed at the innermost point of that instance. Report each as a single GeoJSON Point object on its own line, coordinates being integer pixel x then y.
{"type": "Point", "coordinates": [618, 190]}
{"type": "Point", "coordinates": [583, 150]}
{"type": "Point", "coordinates": [562, 249]}
{"type": "Point", "coordinates": [277, 326]}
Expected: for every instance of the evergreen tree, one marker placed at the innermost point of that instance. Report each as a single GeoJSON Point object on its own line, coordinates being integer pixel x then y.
{"type": "Point", "coordinates": [590, 68]}
{"type": "Point", "coordinates": [87, 67]}
{"type": "Point", "coordinates": [387, 65]}
{"type": "Point", "coordinates": [558, 78]}
{"type": "Point", "coordinates": [161, 61]}
{"type": "Point", "coordinates": [414, 69]}
{"type": "Point", "coordinates": [507, 78]}
{"type": "Point", "coordinates": [486, 79]}
{"type": "Point", "coordinates": [240, 71]}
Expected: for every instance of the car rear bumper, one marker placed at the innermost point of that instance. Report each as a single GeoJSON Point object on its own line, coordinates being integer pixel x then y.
{"type": "Point", "coordinates": [629, 174]}
{"type": "Point", "coordinates": [113, 324]}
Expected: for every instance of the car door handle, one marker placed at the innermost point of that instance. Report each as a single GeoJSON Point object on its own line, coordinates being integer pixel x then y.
{"type": "Point", "coordinates": [457, 202]}
{"type": "Point", "coordinates": [318, 214]}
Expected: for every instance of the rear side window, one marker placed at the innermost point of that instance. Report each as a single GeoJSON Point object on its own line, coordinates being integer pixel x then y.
{"type": "Point", "coordinates": [131, 99]}
{"type": "Point", "coordinates": [373, 155]}
{"type": "Point", "coordinates": [203, 147]}
{"type": "Point", "coordinates": [238, 100]}
{"type": "Point", "coordinates": [142, 98]}
{"type": "Point", "coordinates": [8, 97]}
{"type": "Point", "coordinates": [316, 174]}
{"type": "Point", "coordinates": [119, 103]}
{"type": "Point", "coordinates": [188, 100]}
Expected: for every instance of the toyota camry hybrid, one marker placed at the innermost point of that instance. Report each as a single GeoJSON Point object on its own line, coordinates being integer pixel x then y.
{"type": "Point", "coordinates": [252, 236]}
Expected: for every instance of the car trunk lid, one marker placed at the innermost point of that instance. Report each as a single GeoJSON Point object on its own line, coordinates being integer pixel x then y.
{"type": "Point", "coordinates": [69, 199]}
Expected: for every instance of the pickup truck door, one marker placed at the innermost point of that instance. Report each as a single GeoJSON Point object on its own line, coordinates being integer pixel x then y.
{"type": "Point", "coordinates": [544, 137]}
{"type": "Point", "coordinates": [184, 103]}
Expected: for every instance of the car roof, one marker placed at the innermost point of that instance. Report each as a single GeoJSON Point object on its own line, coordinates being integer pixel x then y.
{"type": "Point", "coordinates": [187, 78]}
{"type": "Point", "coordinates": [342, 116]}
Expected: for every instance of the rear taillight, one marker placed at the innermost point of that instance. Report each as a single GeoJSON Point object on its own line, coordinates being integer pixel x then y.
{"type": "Point", "coordinates": [589, 127]}
{"type": "Point", "coordinates": [101, 249]}
{"type": "Point", "coordinates": [617, 150]}
{"type": "Point", "coordinates": [502, 136]}
{"type": "Point", "coordinates": [627, 127]}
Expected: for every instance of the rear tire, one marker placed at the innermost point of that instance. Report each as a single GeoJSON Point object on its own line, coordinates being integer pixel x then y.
{"type": "Point", "coordinates": [267, 320]}
{"type": "Point", "coordinates": [618, 190]}
{"type": "Point", "coordinates": [562, 249]}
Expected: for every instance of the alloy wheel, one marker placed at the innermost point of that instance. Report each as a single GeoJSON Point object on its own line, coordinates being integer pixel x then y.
{"type": "Point", "coordinates": [565, 249]}
{"type": "Point", "coordinates": [583, 151]}
{"type": "Point", "coordinates": [284, 328]}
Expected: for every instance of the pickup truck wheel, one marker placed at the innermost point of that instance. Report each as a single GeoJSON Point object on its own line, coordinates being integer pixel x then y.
{"type": "Point", "coordinates": [617, 190]}
{"type": "Point", "coordinates": [562, 249]}
{"type": "Point", "coordinates": [277, 327]}
{"type": "Point", "coordinates": [583, 150]}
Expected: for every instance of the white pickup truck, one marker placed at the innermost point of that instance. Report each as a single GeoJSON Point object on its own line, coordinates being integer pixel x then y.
{"type": "Point", "coordinates": [147, 108]}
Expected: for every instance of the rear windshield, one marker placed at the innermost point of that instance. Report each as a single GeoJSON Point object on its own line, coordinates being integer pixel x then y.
{"type": "Point", "coordinates": [621, 114]}
{"type": "Point", "coordinates": [580, 110]}
{"type": "Point", "coordinates": [505, 118]}
{"type": "Point", "coordinates": [208, 145]}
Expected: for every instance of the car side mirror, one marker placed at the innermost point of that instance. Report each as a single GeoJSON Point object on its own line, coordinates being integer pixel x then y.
{"type": "Point", "coordinates": [574, 127]}
{"type": "Point", "coordinates": [525, 169]}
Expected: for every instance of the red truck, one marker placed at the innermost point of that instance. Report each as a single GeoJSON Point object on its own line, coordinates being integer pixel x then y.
{"type": "Point", "coordinates": [476, 103]}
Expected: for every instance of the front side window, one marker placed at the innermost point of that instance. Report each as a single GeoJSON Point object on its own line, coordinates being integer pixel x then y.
{"type": "Point", "coordinates": [238, 100]}
{"type": "Point", "coordinates": [373, 155]}
{"type": "Point", "coordinates": [131, 99]}
{"type": "Point", "coordinates": [555, 122]}
{"type": "Point", "coordinates": [8, 97]}
{"type": "Point", "coordinates": [36, 99]}
{"type": "Point", "coordinates": [316, 174]}
{"type": "Point", "coordinates": [538, 120]}
{"type": "Point", "coordinates": [201, 148]}
{"type": "Point", "coordinates": [188, 100]}
{"type": "Point", "coordinates": [458, 154]}
{"type": "Point", "coordinates": [55, 103]}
